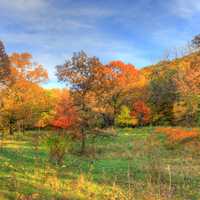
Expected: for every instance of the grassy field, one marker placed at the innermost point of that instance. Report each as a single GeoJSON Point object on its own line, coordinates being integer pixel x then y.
{"type": "Point", "coordinates": [133, 164]}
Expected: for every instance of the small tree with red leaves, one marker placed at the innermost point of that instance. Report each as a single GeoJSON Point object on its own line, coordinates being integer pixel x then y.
{"type": "Point", "coordinates": [142, 112]}
{"type": "Point", "coordinates": [65, 115]}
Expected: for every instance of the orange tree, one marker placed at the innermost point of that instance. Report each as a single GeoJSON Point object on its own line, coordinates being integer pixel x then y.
{"type": "Point", "coordinates": [188, 82]}
{"type": "Point", "coordinates": [24, 100]}
{"type": "Point", "coordinates": [118, 81]}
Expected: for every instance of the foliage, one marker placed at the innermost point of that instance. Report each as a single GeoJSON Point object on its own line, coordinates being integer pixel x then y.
{"type": "Point", "coordinates": [80, 73]}
{"type": "Point", "coordinates": [163, 94]}
{"type": "Point", "coordinates": [117, 80]}
{"type": "Point", "coordinates": [188, 78]}
{"type": "Point", "coordinates": [141, 112]}
{"type": "Point", "coordinates": [19, 102]}
{"type": "Point", "coordinates": [24, 69]}
{"type": "Point", "coordinates": [65, 115]}
{"type": "Point", "coordinates": [124, 118]}
{"type": "Point", "coordinates": [179, 135]}
{"type": "Point", "coordinates": [97, 92]}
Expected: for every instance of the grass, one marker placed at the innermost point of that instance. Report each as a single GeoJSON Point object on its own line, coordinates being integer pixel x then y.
{"type": "Point", "coordinates": [134, 164]}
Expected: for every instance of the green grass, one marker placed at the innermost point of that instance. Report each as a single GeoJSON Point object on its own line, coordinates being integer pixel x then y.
{"type": "Point", "coordinates": [134, 164]}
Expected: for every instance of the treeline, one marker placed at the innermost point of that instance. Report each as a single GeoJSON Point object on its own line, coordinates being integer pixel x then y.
{"type": "Point", "coordinates": [98, 95]}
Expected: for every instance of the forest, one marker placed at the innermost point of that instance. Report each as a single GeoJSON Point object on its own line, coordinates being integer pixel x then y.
{"type": "Point", "coordinates": [114, 132]}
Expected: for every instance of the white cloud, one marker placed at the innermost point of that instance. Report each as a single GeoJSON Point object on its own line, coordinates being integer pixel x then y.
{"type": "Point", "coordinates": [23, 5]}
{"type": "Point", "coordinates": [185, 8]}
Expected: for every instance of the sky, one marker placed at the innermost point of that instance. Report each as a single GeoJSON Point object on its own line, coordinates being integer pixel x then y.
{"type": "Point", "coordinates": [134, 31]}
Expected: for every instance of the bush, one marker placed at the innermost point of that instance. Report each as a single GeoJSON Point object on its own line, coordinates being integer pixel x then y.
{"type": "Point", "coordinates": [178, 135]}
{"type": "Point", "coordinates": [124, 118]}
{"type": "Point", "coordinates": [58, 146]}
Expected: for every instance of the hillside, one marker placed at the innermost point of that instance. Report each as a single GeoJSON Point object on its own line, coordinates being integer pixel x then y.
{"type": "Point", "coordinates": [178, 64]}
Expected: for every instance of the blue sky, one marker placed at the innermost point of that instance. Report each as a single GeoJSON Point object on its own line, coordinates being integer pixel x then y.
{"type": "Point", "coordinates": [135, 31]}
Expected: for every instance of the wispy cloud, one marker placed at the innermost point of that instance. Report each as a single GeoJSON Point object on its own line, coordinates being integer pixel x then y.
{"type": "Point", "coordinates": [23, 5]}
{"type": "Point", "coordinates": [185, 8]}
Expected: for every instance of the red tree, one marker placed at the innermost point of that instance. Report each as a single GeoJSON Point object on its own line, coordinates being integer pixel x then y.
{"type": "Point", "coordinates": [65, 115]}
{"type": "Point", "coordinates": [142, 112]}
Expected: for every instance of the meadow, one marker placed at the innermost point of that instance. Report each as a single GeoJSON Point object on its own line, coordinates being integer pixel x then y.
{"type": "Point", "coordinates": [99, 100]}
{"type": "Point", "coordinates": [133, 163]}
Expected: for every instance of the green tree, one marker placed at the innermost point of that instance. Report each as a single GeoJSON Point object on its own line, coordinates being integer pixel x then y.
{"type": "Point", "coordinates": [163, 93]}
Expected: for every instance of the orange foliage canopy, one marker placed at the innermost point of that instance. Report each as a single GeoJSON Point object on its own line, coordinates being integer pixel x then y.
{"type": "Point", "coordinates": [188, 79]}
{"type": "Point", "coordinates": [113, 82]}
{"type": "Point", "coordinates": [141, 111]}
{"type": "Point", "coordinates": [22, 68]}
{"type": "Point", "coordinates": [123, 74]}
{"type": "Point", "coordinates": [24, 100]}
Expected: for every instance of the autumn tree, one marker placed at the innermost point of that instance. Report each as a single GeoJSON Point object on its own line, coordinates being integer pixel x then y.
{"type": "Point", "coordinates": [21, 108]}
{"type": "Point", "coordinates": [188, 83]}
{"type": "Point", "coordinates": [64, 116]}
{"type": "Point", "coordinates": [117, 82]}
{"type": "Point", "coordinates": [141, 112]}
{"type": "Point", "coordinates": [23, 100]}
{"type": "Point", "coordinates": [124, 119]}
{"type": "Point", "coordinates": [24, 69]}
{"type": "Point", "coordinates": [52, 99]}
{"type": "Point", "coordinates": [79, 74]}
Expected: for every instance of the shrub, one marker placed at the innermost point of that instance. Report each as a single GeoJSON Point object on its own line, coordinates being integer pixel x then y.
{"type": "Point", "coordinates": [58, 145]}
{"type": "Point", "coordinates": [178, 135]}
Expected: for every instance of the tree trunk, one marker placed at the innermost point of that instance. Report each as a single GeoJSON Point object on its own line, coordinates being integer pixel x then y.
{"type": "Point", "coordinates": [82, 142]}
{"type": "Point", "coordinates": [11, 129]}
{"type": "Point", "coordinates": [23, 131]}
